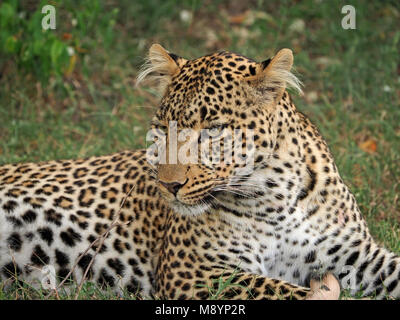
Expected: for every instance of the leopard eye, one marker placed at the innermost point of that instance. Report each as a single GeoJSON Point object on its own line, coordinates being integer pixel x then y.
{"type": "Point", "coordinates": [159, 129]}
{"type": "Point", "coordinates": [162, 129]}
{"type": "Point", "coordinates": [215, 131]}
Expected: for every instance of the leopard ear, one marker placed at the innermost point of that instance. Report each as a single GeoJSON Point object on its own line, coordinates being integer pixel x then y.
{"type": "Point", "coordinates": [273, 76]}
{"type": "Point", "coordinates": [160, 66]}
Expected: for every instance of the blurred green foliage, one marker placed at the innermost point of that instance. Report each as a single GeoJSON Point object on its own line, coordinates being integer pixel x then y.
{"type": "Point", "coordinates": [46, 53]}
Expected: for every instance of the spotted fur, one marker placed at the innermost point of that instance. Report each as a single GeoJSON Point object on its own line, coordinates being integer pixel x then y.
{"type": "Point", "coordinates": [184, 226]}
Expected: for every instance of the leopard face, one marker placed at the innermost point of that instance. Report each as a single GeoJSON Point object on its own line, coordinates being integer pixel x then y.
{"type": "Point", "coordinates": [218, 118]}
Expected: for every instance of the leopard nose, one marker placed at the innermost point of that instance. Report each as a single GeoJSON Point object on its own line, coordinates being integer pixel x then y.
{"type": "Point", "coordinates": [172, 187]}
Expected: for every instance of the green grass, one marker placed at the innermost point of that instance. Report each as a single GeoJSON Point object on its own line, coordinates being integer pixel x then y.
{"type": "Point", "coordinates": [351, 83]}
{"type": "Point", "coordinates": [89, 291]}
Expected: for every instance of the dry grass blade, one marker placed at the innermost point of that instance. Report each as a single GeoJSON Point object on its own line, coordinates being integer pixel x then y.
{"type": "Point", "coordinates": [99, 239]}
{"type": "Point", "coordinates": [102, 239]}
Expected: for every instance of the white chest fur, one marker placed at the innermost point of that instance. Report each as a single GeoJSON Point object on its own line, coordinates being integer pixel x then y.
{"type": "Point", "coordinates": [279, 249]}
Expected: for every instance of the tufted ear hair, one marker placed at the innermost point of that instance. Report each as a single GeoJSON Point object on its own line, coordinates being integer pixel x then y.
{"type": "Point", "coordinates": [160, 66]}
{"type": "Point", "coordinates": [273, 76]}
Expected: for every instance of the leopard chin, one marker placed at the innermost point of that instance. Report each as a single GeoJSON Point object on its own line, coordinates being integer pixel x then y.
{"type": "Point", "coordinates": [189, 210]}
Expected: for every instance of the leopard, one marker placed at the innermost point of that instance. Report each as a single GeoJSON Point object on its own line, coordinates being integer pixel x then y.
{"type": "Point", "coordinates": [281, 226]}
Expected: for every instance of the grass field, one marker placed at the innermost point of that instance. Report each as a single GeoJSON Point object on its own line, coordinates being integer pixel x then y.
{"type": "Point", "coordinates": [351, 83]}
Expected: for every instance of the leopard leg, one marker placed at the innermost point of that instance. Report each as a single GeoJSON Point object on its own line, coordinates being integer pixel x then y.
{"type": "Point", "coordinates": [243, 286]}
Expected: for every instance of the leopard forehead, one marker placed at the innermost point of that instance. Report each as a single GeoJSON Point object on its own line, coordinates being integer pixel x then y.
{"type": "Point", "coordinates": [207, 88]}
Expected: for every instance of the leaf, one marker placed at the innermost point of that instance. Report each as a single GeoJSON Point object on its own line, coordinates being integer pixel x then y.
{"type": "Point", "coordinates": [71, 66]}
{"type": "Point", "coordinates": [11, 44]}
{"type": "Point", "coordinates": [369, 146]}
{"type": "Point", "coordinates": [67, 36]}
{"type": "Point", "coordinates": [7, 14]}
{"type": "Point", "coordinates": [56, 51]}
{"type": "Point", "coordinates": [239, 18]}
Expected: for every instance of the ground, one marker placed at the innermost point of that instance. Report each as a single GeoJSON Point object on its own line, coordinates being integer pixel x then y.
{"type": "Point", "coordinates": [351, 87]}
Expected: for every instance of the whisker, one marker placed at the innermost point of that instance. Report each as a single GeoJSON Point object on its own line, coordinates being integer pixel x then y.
{"type": "Point", "coordinates": [208, 193]}
{"type": "Point", "coordinates": [236, 191]}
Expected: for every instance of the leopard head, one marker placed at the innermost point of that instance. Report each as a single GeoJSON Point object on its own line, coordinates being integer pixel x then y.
{"type": "Point", "coordinates": [216, 121]}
